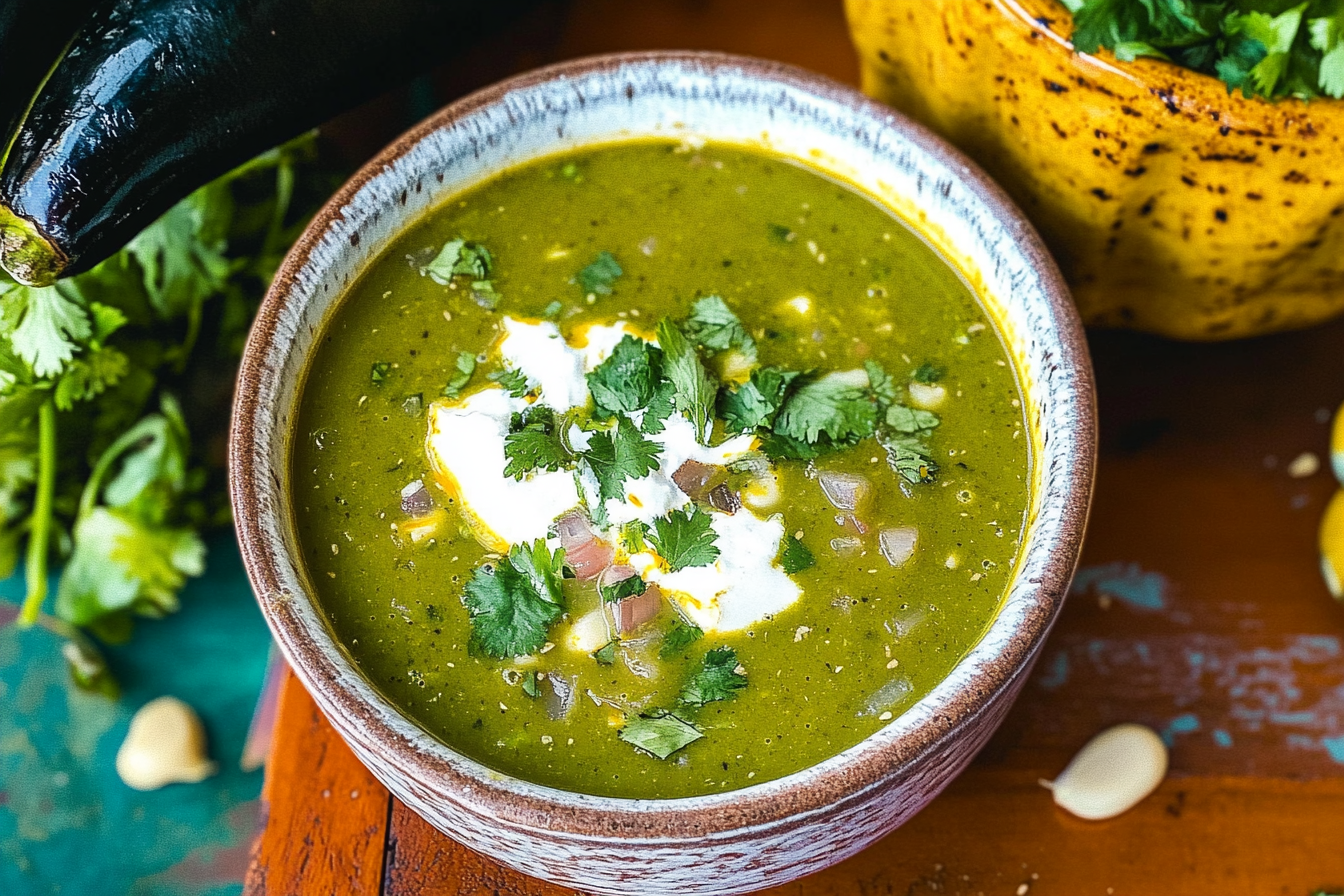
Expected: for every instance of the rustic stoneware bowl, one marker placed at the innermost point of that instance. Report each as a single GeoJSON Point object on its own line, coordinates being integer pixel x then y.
{"type": "Point", "coordinates": [769, 833]}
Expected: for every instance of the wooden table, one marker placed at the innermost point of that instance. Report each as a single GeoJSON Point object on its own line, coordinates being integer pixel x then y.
{"type": "Point", "coordinates": [1199, 611]}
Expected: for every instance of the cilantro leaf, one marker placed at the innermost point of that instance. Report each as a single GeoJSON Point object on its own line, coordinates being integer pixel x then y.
{"type": "Point", "coordinates": [781, 234]}
{"type": "Point", "coordinates": [662, 404]}
{"type": "Point", "coordinates": [530, 685]}
{"type": "Point", "coordinates": [599, 277]}
{"type": "Point", "coordinates": [379, 371]}
{"type": "Point", "coordinates": [510, 615]}
{"type": "Point", "coordinates": [536, 442]}
{"type": "Point", "coordinates": [552, 310]}
{"type": "Point", "coordinates": [795, 557]}
{"type": "Point", "coordinates": [466, 366]}
{"type": "Point", "coordinates": [459, 258]}
{"type": "Point", "coordinates": [1327, 37]}
{"type": "Point", "coordinates": [719, 677]}
{"type": "Point", "coordinates": [631, 587]}
{"type": "Point", "coordinates": [756, 401]}
{"type": "Point", "coordinates": [880, 382]}
{"type": "Point", "coordinates": [1276, 34]}
{"type": "Point", "coordinates": [606, 654]}
{"type": "Point", "coordinates": [927, 374]}
{"type": "Point", "coordinates": [908, 458]}
{"type": "Point", "coordinates": [632, 536]}
{"type": "Point", "coordinates": [659, 733]}
{"type": "Point", "coordinates": [51, 326]}
{"type": "Point", "coordinates": [713, 326]}
{"type": "Point", "coordinates": [513, 381]}
{"type": "Point", "coordinates": [911, 421]}
{"type": "Point", "coordinates": [693, 388]}
{"type": "Point", "coordinates": [89, 375]}
{"type": "Point", "coordinates": [678, 638]}
{"type": "Point", "coordinates": [182, 254]}
{"type": "Point", "coordinates": [625, 381]}
{"type": "Point", "coordinates": [122, 563]}
{"type": "Point", "coordinates": [834, 407]}
{"type": "Point", "coordinates": [618, 455]}
{"type": "Point", "coordinates": [685, 538]}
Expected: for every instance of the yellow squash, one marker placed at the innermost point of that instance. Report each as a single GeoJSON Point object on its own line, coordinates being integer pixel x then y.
{"type": "Point", "coordinates": [1172, 206]}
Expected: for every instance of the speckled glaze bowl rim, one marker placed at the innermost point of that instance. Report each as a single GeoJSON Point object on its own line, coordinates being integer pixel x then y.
{"type": "Point", "coordinates": [854, 774]}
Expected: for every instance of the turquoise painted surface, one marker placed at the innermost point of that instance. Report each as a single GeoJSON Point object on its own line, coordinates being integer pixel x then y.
{"type": "Point", "coordinates": [67, 823]}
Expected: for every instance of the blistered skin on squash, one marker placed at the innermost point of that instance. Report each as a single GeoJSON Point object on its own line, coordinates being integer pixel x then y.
{"type": "Point", "coordinates": [1171, 206]}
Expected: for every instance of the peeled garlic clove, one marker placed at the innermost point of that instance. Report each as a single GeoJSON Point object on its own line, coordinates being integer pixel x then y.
{"type": "Point", "coordinates": [165, 745]}
{"type": "Point", "coordinates": [1112, 773]}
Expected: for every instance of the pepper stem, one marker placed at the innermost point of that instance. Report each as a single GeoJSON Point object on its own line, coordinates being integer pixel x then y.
{"type": "Point", "coordinates": [39, 530]}
{"type": "Point", "coordinates": [29, 256]}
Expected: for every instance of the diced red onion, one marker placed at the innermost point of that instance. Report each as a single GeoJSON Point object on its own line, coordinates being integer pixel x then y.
{"type": "Point", "coordinates": [898, 545]}
{"type": "Point", "coordinates": [416, 499]}
{"type": "Point", "coordinates": [859, 525]}
{"type": "Point", "coordinates": [845, 491]}
{"type": "Point", "coordinates": [589, 558]}
{"type": "Point", "coordinates": [573, 530]}
{"type": "Point", "coordinates": [614, 575]}
{"type": "Point", "coordinates": [846, 544]}
{"type": "Point", "coordinates": [633, 612]}
{"type": "Point", "coordinates": [559, 696]}
{"type": "Point", "coordinates": [696, 479]}
{"type": "Point", "coordinates": [722, 498]}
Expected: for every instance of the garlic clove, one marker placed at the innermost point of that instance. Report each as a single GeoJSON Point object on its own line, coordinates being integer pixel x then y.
{"type": "Point", "coordinates": [1112, 773]}
{"type": "Point", "coordinates": [165, 745]}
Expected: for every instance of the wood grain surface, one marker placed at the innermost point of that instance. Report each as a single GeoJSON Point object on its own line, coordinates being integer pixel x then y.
{"type": "Point", "coordinates": [1199, 611]}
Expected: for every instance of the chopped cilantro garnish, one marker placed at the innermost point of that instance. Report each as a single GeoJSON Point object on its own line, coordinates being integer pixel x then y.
{"type": "Point", "coordinates": [911, 421]}
{"type": "Point", "coordinates": [466, 366]}
{"type": "Point", "coordinates": [713, 326]}
{"type": "Point", "coordinates": [631, 587]}
{"type": "Point", "coordinates": [625, 381]}
{"type": "Point", "coordinates": [632, 536]}
{"type": "Point", "coordinates": [880, 382]}
{"type": "Point", "coordinates": [459, 258]}
{"type": "Point", "coordinates": [782, 234]}
{"type": "Point", "coordinates": [693, 387]}
{"type": "Point", "coordinates": [661, 406]}
{"type": "Point", "coordinates": [719, 677]}
{"type": "Point", "coordinates": [756, 401]}
{"type": "Point", "coordinates": [1260, 48]}
{"type": "Point", "coordinates": [659, 733]}
{"type": "Point", "coordinates": [552, 311]}
{"type": "Point", "coordinates": [514, 603]}
{"type": "Point", "coordinates": [779, 447]}
{"type": "Point", "coordinates": [536, 441]}
{"type": "Point", "coordinates": [795, 557]}
{"type": "Point", "coordinates": [599, 277]}
{"type": "Point", "coordinates": [530, 685]}
{"type": "Point", "coordinates": [908, 458]}
{"type": "Point", "coordinates": [685, 538]}
{"type": "Point", "coordinates": [832, 407]}
{"type": "Point", "coordinates": [513, 381]}
{"type": "Point", "coordinates": [678, 638]}
{"type": "Point", "coordinates": [927, 374]}
{"type": "Point", "coordinates": [618, 455]}
{"type": "Point", "coordinates": [379, 372]}
{"type": "Point", "coordinates": [483, 292]}
{"type": "Point", "coordinates": [606, 654]}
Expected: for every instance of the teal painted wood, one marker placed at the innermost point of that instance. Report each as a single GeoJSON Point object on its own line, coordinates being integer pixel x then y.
{"type": "Point", "coordinates": [67, 823]}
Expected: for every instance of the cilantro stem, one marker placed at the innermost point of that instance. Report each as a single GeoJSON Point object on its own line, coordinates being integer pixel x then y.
{"type": "Point", "coordinates": [39, 530]}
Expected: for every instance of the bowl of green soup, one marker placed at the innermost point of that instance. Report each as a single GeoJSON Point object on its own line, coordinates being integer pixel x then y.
{"type": "Point", "coordinates": [664, 469]}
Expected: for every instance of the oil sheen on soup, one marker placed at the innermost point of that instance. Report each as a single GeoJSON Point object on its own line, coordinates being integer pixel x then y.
{"type": "Point", "coordinates": [658, 469]}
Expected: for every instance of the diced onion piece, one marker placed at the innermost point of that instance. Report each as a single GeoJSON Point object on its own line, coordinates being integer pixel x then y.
{"type": "Point", "coordinates": [1112, 773]}
{"type": "Point", "coordinates": [558, 695]}
{"type": "Point", "coordinates": [584, 553]}
{"type": "Point", "coordinates": [614, 575]}
{"type": "Point", "coordinates": [573, 530]}
{"type": "Point", "coordinates": [898, 544]}
{"type": "Point", "coordinates": [846, 545]}
{"type": "Point", "coordinates": [416, 499]}
{"type": "Point", "coordinates": [845, 491]}
{"type": "Point", "coordinates": [633, 612]}
{"type": "Point", "coordinates": [588, 633]}
{"type": "Point", "coordinates": [926, 396]}
{"type": "Point", "coordinates": [724, 499]}
{"type": "Point", "coordinates": [696, 479]}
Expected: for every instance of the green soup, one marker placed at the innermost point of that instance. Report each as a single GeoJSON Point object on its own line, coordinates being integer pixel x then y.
{"type": "Point", "coordinates": [841, 532]}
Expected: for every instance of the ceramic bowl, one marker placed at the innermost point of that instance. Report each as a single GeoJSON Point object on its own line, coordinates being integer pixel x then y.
{"type": "Point", "coordinates": [1173, 205]}
{"type": "Point", "coordinates": [769, 833]}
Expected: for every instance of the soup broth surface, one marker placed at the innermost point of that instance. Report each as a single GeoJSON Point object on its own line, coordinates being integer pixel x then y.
{"type": "Point", "coordinates": [823, 283]}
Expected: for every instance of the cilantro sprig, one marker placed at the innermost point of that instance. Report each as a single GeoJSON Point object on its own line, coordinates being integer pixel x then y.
{"type": "Point", "coordinates": [513, 604]}
{"type": "Point", "coordinates": [719, 677]}
{"type": "Point", "coordinates": [1267, 48]}
{"type": "Point", "coordinates": [659, 733]}
{"type": "Point", "coordinates": [101, 465]}
{"type": "Point", "coordinates": [685, 538]}
{"type": "Point", "coordinates": [536, 441]}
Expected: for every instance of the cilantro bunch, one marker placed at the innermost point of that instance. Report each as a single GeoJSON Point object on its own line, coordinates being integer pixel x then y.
{"type": "Point", "coordinates": [111, 388]}
{"type": "Point", "coordinates": [1268, 48]}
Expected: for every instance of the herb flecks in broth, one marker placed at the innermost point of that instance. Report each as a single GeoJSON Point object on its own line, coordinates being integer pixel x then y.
{"type": "Point", "coordinates": [706, 512]}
